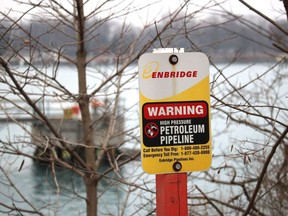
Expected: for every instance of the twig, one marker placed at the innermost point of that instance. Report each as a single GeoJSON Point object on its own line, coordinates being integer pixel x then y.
{"type": "Point", "coordinates": [57, 186]}
{"type": "Point", "coordinates": [209, 201]}
{"type": "Point", "coordinates": [35, 211]}
{"type": "Point", "coordinates": [264, 170]}
{"type": "Point", "coordinates": [158, 35]}
{"type": "Point", "coordinates": [264, 16]}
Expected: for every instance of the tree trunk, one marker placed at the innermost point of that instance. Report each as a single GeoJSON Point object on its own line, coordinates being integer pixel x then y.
{"type": "Point", "coordinates": [91, 196]}
{"type": "Point", "coordinates": [90, 156]}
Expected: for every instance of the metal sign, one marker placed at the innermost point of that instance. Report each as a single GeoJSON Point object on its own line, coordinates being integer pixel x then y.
{"type": "Point", "coordinates": [175, 112]}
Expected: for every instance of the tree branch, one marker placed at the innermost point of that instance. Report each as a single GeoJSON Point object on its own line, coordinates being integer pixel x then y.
{"type": "Point", "coordinates": [264, 170]}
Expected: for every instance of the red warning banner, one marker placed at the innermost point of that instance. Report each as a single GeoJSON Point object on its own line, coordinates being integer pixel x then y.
{"type": "Point", "coordinates": [195, 109]}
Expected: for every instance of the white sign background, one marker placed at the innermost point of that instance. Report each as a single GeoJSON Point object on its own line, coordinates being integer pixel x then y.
{"type": "Point", "coordinates": [161, 88]}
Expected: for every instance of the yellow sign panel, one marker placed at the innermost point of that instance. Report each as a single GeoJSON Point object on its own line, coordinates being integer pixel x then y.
{"type": "Point", "coordinates": [175, 112]}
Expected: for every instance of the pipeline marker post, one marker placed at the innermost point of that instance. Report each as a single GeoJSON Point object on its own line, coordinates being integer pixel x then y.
{"type": "Point", "coordinates": [175, 123]}
{"type": "Point", "coordinates": [171, 194]}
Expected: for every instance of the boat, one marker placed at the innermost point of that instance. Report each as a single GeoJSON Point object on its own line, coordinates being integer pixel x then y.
{"type": "Point", "coordinates": [69, 125]}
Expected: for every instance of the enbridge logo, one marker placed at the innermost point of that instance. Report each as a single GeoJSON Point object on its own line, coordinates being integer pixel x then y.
{"type": "Point", "coordinates": [150, 70]}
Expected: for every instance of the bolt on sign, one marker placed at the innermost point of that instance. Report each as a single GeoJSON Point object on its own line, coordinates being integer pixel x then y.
{"type": "Point", "coordinates": [174, 112]}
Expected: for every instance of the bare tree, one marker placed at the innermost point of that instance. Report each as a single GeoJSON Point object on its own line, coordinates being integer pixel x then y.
{"type": "Point", "coordinates": [80, 25]}
{"type": "Point", "coordinates": [248, 168]}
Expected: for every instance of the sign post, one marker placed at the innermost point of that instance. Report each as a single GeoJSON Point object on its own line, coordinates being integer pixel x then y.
{"type": "Point", "coordinates": [171, 194]}
{"type": "Point", "coordinates": [175, 119]}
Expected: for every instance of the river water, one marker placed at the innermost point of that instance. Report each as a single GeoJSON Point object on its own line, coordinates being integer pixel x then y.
{"type": "Point", "coordinates": [115, 198]}
{"type": "Point", "coordinates": [38, 186]}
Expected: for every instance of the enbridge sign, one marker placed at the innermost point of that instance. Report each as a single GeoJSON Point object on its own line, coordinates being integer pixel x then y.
{"type": "Point", "coordinates": [174, 112]}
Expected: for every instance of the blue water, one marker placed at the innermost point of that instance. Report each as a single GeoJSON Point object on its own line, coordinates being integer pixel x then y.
{"type": "Point", "coordinates": [38, 186]}
{"type": "Point", "coordinates": [36, 183]}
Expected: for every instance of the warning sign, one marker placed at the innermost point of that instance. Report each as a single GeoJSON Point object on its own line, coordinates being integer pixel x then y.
{"type": "Point", "coordinates": [175, 112]}
{"type": "Point", "coordinates": [175, 123]}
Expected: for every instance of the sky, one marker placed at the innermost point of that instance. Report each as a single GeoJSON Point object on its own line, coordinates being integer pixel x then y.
{"type": "Point", "coordinates": [272, 8]}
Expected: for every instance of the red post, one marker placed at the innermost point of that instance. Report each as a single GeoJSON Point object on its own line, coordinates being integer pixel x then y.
{"type": "Point", "coordinates": [171, 194]}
